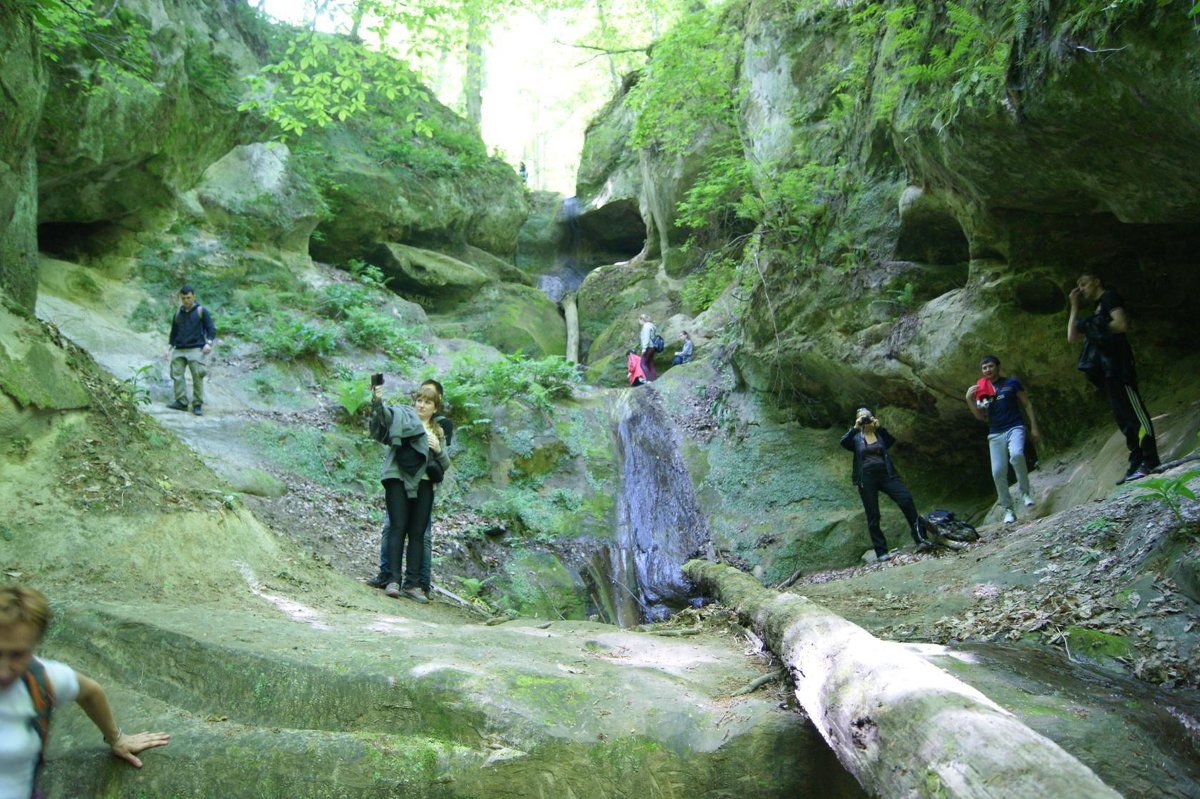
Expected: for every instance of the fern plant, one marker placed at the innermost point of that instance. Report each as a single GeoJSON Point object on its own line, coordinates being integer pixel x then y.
{"type": "Point", "coordinates": [1170, 491]}
{"type": "Point", "coordinates": [352, 395]}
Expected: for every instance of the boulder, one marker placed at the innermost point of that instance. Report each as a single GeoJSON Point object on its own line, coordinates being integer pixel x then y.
{"type": "Point", "coordinates": [253, 190]}
{"type": "Point", "coordinates": [376, 195]}
{"type": "Point", "coordinates": [542, 233]}
{"type": "Point", "coordinates": [610, 301]}
{"type": "Point", "coordinates": [508, 317]}
{"type": "Point", "coordinates": [437, 279]}
{"type": "Point", "coordinates": [609, 186]}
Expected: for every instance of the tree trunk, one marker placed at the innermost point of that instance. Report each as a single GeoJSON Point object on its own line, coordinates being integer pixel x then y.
{"type": "Point", "coordinates": [604, 33]}
{"type": "Point", "coordinates": [473, 82]}
{"type": "Point", "coordinates": [900, 725]}
{"type": "Point", "coordinates": [571, 315]}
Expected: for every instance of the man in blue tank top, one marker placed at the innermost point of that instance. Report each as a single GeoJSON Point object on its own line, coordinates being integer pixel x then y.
{"type": "Point", "coordinates": [999, 401]}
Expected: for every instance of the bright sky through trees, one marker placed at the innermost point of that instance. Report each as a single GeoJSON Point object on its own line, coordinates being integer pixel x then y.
{"type": "Point", "coordinates": [539, 91]}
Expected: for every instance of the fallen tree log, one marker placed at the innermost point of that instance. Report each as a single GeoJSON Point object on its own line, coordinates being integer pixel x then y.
{"type": "Point", "coordinates": [902, 726]}
{"type": "Point", "coordinates": [571, 317]}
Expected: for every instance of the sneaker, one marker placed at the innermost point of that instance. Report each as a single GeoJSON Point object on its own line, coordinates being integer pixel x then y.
{"type": "Point", "coordinates": [884, 556]}
{"type": "Point", "coordinates": [1137, 474]}
{"type": "Point", "coordinates": [392, 590]}
{"type": "Point", "coordinates": [1027, 500]}
{"type": "Point", "coordinates": [415, 595]}
{"type": "Point", "coordinates": [196, 409]}
{"type": "Point", "coordinates": [178, 406]}
{"type": "Point", "coordinates": [378, 581]}
{"type": "Point", "coordinates": [1009, 516]}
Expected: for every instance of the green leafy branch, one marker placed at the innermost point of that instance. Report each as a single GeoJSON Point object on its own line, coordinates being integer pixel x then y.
{"type": "Point", "coordinates": [321, 79]}
{"type": "Point", "coordinates": [113, 42]}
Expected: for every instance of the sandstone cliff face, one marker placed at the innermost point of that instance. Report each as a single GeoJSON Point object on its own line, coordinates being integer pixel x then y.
{"type": "Point", "coordinates": [946, 221]}
{"type": "Point", "coordinates": [931, 223]}
{"type": "Point", "coordinates": [23, 84]}
{"type": "Point", "coordinates": [609, 188]}
{"type": "Point", "coordinates": [112, 148]}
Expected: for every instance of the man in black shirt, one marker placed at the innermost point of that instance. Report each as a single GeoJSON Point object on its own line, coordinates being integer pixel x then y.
{"type": "Point", "coordinates": [192, 336]}
{"type": "Point", "coordinates": [1107, 361]}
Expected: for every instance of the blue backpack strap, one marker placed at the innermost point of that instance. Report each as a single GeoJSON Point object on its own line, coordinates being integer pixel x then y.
{"type": "Point", "coordinates": [37, 682]}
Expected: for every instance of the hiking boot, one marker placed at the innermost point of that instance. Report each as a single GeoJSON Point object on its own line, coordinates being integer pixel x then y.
{"type": "Point", "coordinates": [884, 556]}
{"type": "Point", "coordinates": [415, 595]}
{"type": "Point", "coordinates": [1027, 500]}
{"type": "Point", "coordinates": [1009, 516]}
{"type": "Point", "coordinates": [392, 590]}
{"type": "Point", "coordinates": [196, 409]}
{"type": "Point", "coordinates": [378, 581]}
{"type": "Point", "coordinates": [178, 406]}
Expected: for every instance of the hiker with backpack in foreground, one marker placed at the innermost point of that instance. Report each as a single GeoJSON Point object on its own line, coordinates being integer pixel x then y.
{"type": "Point", "coordinates": [30, 689]}
{"type": "Point", "coordinates": [191, 340]}
{"type": "Point", "coordinates": [873, 472]}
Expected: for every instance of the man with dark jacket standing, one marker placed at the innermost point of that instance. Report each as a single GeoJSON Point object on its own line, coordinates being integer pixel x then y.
{"type": "Point", "coordinates": [192, 336]}
{"type": "Point", "coordinates": [1107, 361]}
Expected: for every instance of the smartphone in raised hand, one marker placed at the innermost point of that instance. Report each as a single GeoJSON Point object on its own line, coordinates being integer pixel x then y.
{"type": "Point", "coordinates": [377, 379]}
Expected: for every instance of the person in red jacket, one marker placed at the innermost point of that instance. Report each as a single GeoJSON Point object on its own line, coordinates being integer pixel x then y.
{"type": "Point", "coordinates": [633, 366]}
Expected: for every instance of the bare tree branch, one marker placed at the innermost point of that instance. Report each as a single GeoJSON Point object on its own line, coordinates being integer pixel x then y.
{"type": "Point", "coordinates": [605, 50]}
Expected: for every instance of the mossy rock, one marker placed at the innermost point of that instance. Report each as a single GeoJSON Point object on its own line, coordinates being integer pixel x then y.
{"type": "Point", "coordinates": [437, 280]}
{"type": "Point", "coordinates": [610, 301]}
{"type": "Point", "coordinates": [538, 584]}
{"type": "Point", "coordinates": [254, 192]}
{"type": "Point", "coordinates": [510, 318]}
{"type": "Point", "coordinates": [34, 372]}
{"type": "Point", "coordinates": [542, 232]}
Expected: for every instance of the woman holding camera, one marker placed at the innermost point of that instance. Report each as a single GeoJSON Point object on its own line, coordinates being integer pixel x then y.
{"type": "Point", "coordinates": [415, 463]}
{"type": "Point", "coordinates": [874, 472]}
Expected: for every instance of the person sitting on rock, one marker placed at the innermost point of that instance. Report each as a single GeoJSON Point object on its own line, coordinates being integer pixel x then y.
{"type": "Point", "coordinates": [192, 337]}
{"type": "Point", "coordinates": [873, 472]}
{"type": "Point", "coordinates": [685, 353]}
{"type": "Point", "coordinates": [633, 368]}
{"type": "Point", "coordinates": [31, 688]}
{"type": "Point", "coordinates": [998, 401]}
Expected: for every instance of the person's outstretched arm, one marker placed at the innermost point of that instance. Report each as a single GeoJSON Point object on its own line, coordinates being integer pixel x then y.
{"type": "Point", "coordinates": [93, 701]}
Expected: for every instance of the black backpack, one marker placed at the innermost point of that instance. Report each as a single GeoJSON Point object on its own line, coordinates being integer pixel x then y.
{"type": "Point", "coordinates": [656, 341]}
{"type": "Point", "coordinates": [941, 527]}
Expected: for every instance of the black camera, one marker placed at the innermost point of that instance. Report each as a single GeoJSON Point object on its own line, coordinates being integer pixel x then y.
{"type": "Point", "coordinates": [377, 379]}
{"type": "Point", "coordinates": [864, 420]}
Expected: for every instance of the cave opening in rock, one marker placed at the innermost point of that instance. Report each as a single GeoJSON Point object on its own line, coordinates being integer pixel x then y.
{"type": "Point", "coordinates": [74, 241]}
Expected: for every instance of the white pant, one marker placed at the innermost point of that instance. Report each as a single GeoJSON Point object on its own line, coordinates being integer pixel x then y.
{"type": "Point", "coordinates": [1012, 440]}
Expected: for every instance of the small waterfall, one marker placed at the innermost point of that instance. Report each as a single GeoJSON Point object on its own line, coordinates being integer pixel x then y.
{"type": "Point", "coordinates": [659, 524]}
